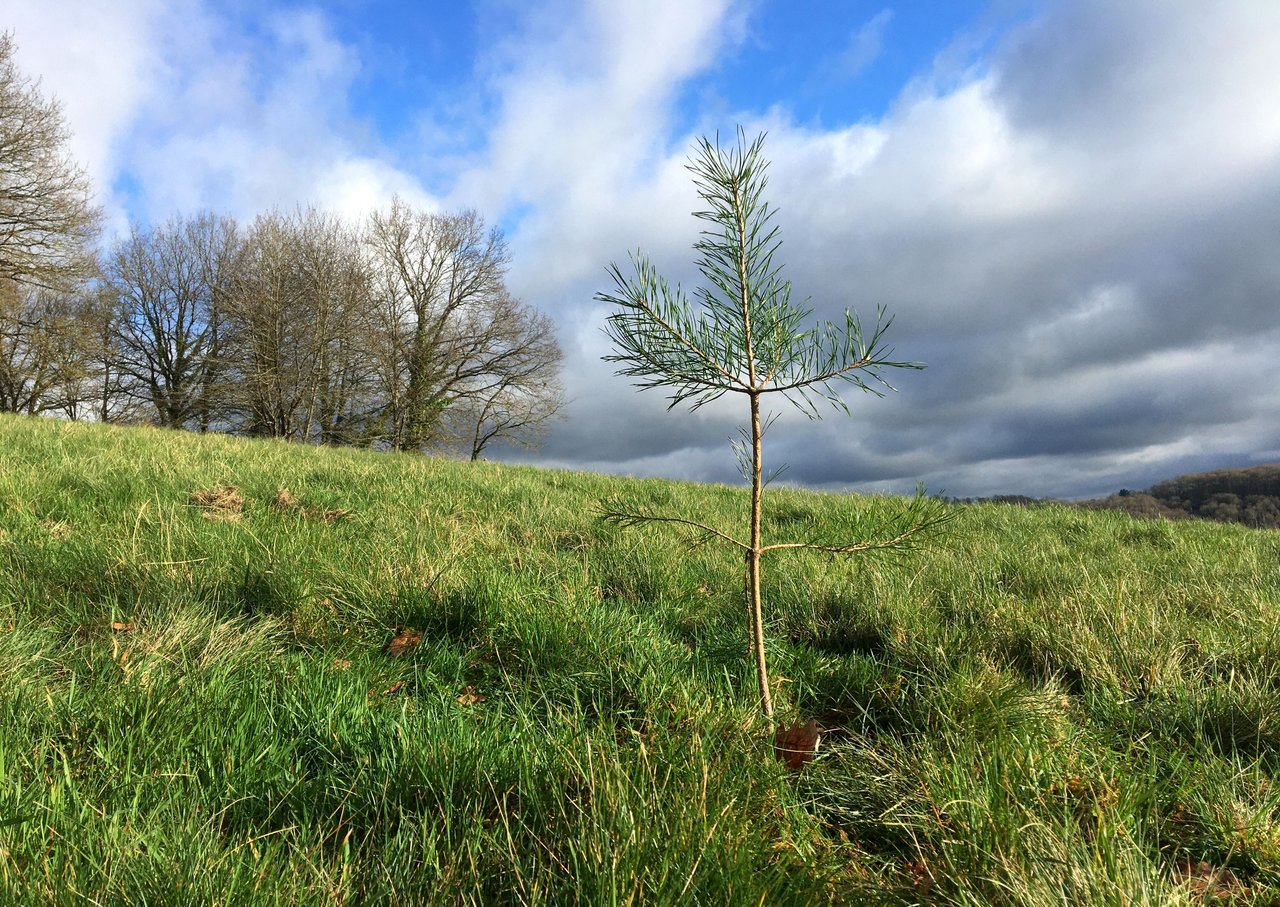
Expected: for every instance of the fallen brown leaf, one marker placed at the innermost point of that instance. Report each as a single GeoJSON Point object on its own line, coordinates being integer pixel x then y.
{"type": "Point", "coordinates": [1208, 883]}
{"type": "Point", "coordinates": [404, 643]}
{"type": "Point", "coordinates": [796, 744]}
{"type": "Point", "coordinates": [121, 627]}
{"type": "Point", "coordinates": [921, 877]}
{"type": "Point", "coordinates": [394, 688]}
{"type": "Point", "coordinates": [469, 696]}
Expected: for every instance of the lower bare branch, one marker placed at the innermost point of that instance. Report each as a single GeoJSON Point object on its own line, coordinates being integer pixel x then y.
{"type": "Point", "coordinates": [630, 518]}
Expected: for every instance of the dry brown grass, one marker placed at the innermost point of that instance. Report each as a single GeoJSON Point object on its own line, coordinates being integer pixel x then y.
{"type": "Point", "coordinates": [223, 503]}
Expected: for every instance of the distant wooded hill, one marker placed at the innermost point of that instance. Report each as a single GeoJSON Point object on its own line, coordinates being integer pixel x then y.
{"type": "Point", "coordinates": [1250, 496]}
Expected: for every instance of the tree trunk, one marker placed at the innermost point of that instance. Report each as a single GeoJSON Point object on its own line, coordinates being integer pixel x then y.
{"type": "Point", "coordinates": [753, 565]}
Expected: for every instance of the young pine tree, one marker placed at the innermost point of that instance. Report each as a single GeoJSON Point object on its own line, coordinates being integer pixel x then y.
{"type": "Point", "coordinates": [745, 336]}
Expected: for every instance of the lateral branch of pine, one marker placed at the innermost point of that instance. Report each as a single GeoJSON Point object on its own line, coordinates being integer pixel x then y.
{"type": "Point", "coordinates": [909, 528]}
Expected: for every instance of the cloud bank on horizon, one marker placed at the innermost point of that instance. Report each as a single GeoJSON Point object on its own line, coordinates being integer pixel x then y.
{"type": "Point", "coordinates": [1072, 208]}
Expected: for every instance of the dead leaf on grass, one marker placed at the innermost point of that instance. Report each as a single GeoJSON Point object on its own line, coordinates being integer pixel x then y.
{"type": "Point", "coordinates": [394, 688]}
{"type": "Point", "coordinates": [796, 744]}
{"type": "Point", "coordinates": [404, 643]}
{"type": "Point", "coordinates": [121, 626]}
{"type": "Point", "coordinates": [1209, 884]}
{"type": "Point", "coordinates": [921, 877]}
{"type": "Point", "coordinates": [469, 696]}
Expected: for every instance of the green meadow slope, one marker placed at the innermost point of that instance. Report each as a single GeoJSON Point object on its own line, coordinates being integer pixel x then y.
{"type": "Point", "coordinates": [414, 680]}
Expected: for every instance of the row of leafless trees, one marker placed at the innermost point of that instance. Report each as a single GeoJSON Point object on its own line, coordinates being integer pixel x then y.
{"type": "Point", "coordinates": [397, 332]}
{"type": "Point", "coordinates": [400, 332]}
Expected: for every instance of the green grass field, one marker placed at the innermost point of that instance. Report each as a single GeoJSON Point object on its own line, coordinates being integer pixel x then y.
{"type": "Point", "coordinates": [198, 704]}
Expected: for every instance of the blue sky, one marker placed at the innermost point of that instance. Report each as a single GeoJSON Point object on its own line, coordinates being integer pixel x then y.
{"type": "Point", "coordinates": [1072, 207]}
{"type": "Point", "coordinates": [829, 63]}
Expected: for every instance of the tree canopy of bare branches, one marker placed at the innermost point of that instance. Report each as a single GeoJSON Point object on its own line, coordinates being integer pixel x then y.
{"type": "Point", "coordinates": [454, 348]}
{"type": "Point", "coordinates": [172, 283]}
{"type": "Point", "coordinates": [47, 220]}
{"type": "Point", "coordinates": [40, 348]}
{"type": "Point", "coordinates": [403, 334]}
{"type": "Point", "coordinates": [296, 329]}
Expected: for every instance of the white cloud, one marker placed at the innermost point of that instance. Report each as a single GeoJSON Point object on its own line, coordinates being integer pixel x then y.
{"type": "Point", "coordinates": [1154, 98]}
{"type": "Point", "coordinates": [352, 187]}
{"type": "Point", "coordinates": [582, 126]}
{"type": "Point", "coordinates": [865, 46]}
{"type": "Point", "coordinates": [100, 92]}
{"type": "Point", "coordinates": [196, 110]}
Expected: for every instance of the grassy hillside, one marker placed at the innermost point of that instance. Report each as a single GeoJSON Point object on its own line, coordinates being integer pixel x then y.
{"type": "Point", "coordinates": [199, 703]}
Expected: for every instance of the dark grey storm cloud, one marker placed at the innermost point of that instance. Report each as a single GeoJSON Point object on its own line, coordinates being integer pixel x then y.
{"type": "Point", "coordinates": [1080, 235]}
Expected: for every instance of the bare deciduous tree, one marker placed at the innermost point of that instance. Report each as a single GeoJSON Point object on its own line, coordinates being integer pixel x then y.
{"type": "Point", "coordinates": [269, 341]}
{"type": "Point", "coordinates": [58, 353]}
{"type": "Point", "coordinates": [104, 392]}
{"type": "Point", "coordinates": [38, 340]}
{"type": "Point", "coordinates": [172, 284]}
{"type": "Point", "coordinates": [47, 221]}
{"type": "Point", "coordinates": [294, 331]}
{"type": "Point", "coordinates": [334, 273]}
{"type": "Point", "coordinates": [519, 393]}
{"type": "Point", "coordinates": [450, 335]}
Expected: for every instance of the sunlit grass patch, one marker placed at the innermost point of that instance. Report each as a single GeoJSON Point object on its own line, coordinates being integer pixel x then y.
{"type": "Point", "coordinates": [1050, 707]}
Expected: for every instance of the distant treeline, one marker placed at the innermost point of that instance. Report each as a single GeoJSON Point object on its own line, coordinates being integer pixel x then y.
{"type": "Point", "coordinates": [1250, 496]}
{"type": "Point", "coordinates": [398, 332]}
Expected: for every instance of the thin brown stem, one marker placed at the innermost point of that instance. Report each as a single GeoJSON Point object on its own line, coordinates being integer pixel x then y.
{"type": "Point", "coordinates": [754, 604]}
{"type": "Point", "coordinates": [753, 565]}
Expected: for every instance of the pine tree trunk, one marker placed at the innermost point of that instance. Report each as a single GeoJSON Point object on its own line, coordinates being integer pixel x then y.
{"type": "Point", "coordinates": [753, 565]}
